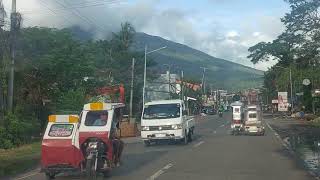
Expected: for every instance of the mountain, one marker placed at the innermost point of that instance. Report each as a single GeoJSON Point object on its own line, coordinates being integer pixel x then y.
{"type": "Point", "coordinates": [220, 73]}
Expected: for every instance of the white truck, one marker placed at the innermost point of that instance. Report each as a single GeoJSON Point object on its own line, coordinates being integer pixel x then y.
{"type": "Point", "coordinates": [166, 120]}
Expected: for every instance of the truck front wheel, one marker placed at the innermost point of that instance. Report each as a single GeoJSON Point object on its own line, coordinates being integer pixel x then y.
{"type": "Point", "coordinates": [146, 143]}
{"type": "Point", "coordinates": [190, 134]}
{"type": "Point", "coordinates": [185, 138]}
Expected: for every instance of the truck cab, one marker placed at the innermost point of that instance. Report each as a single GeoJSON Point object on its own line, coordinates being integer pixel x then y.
{"type": "Point", "coordinates": [166, 120]}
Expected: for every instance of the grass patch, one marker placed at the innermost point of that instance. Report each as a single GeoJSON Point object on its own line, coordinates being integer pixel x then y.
{"type": "Point", "coordinates": [17, 160]}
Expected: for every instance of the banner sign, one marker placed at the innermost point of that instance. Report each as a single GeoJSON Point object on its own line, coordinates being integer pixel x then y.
{"type": "Point", "coordinates": [282, 101]}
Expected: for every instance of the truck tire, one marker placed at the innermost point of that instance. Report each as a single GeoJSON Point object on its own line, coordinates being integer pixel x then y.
{"type": "Point", "coordinates": [146, 143]}
{"type": "Point", "coordinates": [190, 134]}
{"type": "Point", "coordinates": [185, 138]}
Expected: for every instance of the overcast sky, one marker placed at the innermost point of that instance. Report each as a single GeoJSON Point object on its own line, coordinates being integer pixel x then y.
{"type": "Point", "coordinates": [221, 28]}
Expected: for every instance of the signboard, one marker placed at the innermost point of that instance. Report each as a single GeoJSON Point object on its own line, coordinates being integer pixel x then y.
{"type": "Point", "coordinates": [306, 82]}
{"type": "Point", "coordinates": [275, 101]}
{"type": "Point", "coordinates": [282, 101]}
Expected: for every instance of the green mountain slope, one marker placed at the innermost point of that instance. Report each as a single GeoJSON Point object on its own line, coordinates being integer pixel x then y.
{"type": "Point", "coordinates": [220, 73]}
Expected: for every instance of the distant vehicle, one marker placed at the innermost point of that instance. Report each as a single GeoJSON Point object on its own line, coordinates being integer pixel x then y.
{"type": "Point", "coordinates": [252, 108]}
{"type": "Point", "coordinates": [253, 123]}
{"type": "Point", "coordinates": [209, 110]}
{"type": "Point", "coordinates": [237, 117]}
{"type": "Point", "coordinates": [166, 120]}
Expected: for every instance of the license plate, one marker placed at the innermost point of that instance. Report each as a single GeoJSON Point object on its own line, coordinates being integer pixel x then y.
{"type": "Point", "coordinates": [160, 135]}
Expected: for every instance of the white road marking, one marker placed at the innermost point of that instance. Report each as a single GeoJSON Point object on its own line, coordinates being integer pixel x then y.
{"type": "Point", "coordinates": [27, 176]}
{"type": "Point", "coordinates": [161, 171]}
{"type": "Point", "coordinates": [222, 125]}
{"type": "Point", "coordinates": [214, 132]}
{"type": "Point", "coordinates": [198, 144]}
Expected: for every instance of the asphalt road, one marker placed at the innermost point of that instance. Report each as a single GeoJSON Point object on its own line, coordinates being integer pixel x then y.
{"type": "Point", "coordinates": [214, 154]}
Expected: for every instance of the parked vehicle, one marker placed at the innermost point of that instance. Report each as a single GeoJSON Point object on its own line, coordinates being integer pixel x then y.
{"type": "Point", "coordinates": [91, 146]}
{"type": "Point", "coordinates": [208, 110]}
{"type": "Point", "coordinates": [166, 120]}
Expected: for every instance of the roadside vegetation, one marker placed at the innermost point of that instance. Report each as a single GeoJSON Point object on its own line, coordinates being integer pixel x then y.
{"type": "Point", "coordinates": [19, 159]}
{"type": "Point", "coordinates": [298, 49]}
{"type": "Point", "coordinates": [56, 72]}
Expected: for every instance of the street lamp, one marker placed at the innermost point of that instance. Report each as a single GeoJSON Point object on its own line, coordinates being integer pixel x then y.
{"type": "Point", "coordinates": [145, 69]}
{"type": "Point", "coordinates": [290, 77]}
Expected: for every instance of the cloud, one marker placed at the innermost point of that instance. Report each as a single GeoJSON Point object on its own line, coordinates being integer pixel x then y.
{"type": "Point", "coordinates": [223, 39]}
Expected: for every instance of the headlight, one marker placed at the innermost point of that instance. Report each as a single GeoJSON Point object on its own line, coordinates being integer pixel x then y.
{"type": "Point", "coordinates": [176, 126]}
{"type": "Point", "coordinates": [93, 145]}
{"type": "Point", "coordinates": [145, 128]}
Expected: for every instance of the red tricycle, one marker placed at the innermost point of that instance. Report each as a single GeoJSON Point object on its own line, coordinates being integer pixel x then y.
{"type": "Point", "coordinates": [90, 146]}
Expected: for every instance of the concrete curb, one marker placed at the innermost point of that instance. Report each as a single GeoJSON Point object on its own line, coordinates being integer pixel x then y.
{"type": "Point", "coordinates": [299, 159]}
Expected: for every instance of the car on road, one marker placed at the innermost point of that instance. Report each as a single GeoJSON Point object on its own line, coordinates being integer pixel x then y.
{"type": "Point", "coordinates": [209, 110]}
{"type": "Point", "coordinates": [166, 120]}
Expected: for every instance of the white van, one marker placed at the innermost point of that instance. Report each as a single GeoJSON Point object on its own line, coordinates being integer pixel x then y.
{"type": "Point", "coordinates": [166, 119]}
{"type": "Point", "coordinates": [253, 123]}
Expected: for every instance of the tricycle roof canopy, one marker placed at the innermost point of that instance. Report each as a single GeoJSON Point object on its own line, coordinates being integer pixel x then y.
{"type": "Point", "coordinates": [99, 106]}
{"type": "Point", "coordinates": [63, 118]}
{"type": "Point", "coordinates": [237, 103]}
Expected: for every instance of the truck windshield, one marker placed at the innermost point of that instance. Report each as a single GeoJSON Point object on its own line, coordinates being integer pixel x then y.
{"type": "Point", "coordinates": [161, 111]}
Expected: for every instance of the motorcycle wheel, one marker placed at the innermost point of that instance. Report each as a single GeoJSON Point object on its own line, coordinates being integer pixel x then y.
{"type": "Point", "coordinates": [50, 176]}
{"type": "Point", "coordinates": [90, 169]}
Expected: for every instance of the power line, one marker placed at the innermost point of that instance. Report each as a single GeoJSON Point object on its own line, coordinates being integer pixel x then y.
{"type": "Point", "coordinates": [77, 13]}
{"type": "Point", "coordinates": [73, 7]}
{"type": "Point", "coordinates": [53, 12]}
{"type": "Point", "coordinates": [93, 2]}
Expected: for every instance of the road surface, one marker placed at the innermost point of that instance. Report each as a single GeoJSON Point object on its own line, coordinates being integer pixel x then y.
{"type": "Point", "coordinates": [214, 154]}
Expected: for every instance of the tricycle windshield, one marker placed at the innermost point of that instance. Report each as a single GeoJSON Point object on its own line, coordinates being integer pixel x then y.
{"type": "Point", "coordinates": [61, 130]}
{"type": "Point", "coordinates": [252, 115]}
{"type": "Point", "coordinates": [161, 111]}
{"type": "Point", "coordinates": [96, 118]}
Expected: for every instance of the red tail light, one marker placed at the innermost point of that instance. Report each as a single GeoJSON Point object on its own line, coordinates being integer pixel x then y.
{"type": "Point", "coordinates": [236, 121]}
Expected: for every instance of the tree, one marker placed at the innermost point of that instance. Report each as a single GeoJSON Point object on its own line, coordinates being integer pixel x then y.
{"type": "Point", "coordinates": [298, 47]}
{"type": "Point", "coordinates": [124, 38]}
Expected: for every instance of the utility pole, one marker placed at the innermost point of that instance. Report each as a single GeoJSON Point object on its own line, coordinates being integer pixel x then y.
{"type": "Point", "coordinates": [169, 79]}
{"type": "Point", "coordinates": [181, 86]}
{"type": "Point", "coordinates": [144, 76]}
{"type": "Point", "coordinates": [131, 92]}
{"type": "Point", "coordinates": [291, 89]}
{"type": "Point", "coordinates": [203, 79]}
{"type": "Point", "coordinates": [2, 15]}
{"type": "Point", "coordinates": [13, 30]}
{"type": "Point", "coordinates": [145, 70]}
